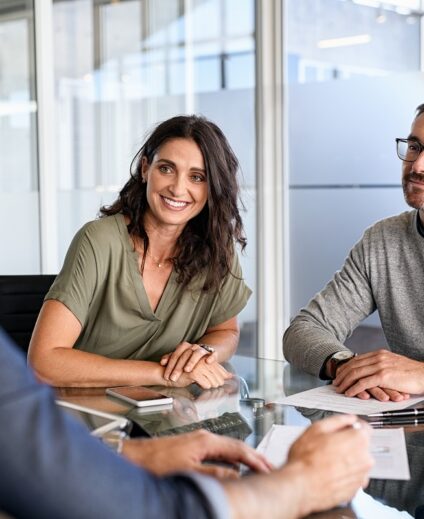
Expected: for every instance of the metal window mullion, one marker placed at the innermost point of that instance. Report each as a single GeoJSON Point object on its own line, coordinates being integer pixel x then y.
{"type": "Point", "coordinates": [44, 80]}
{"type": "Point", "coordinates": [189, 57]}
{"type": "Point", "coordinates": [270, 179]}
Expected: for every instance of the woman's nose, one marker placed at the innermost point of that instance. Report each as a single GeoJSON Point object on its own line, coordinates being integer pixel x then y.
{"type": "Point", "coordinates": [178, 186]}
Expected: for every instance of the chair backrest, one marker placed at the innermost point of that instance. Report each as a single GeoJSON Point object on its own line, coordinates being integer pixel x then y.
{"type": "Point", "coordinates": [21, 298]}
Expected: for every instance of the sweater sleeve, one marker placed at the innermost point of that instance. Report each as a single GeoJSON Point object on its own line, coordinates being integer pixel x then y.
{"type": "Point", "coordinates": [321, 328]}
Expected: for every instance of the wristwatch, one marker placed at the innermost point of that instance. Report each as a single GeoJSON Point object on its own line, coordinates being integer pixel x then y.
{"type": "Point", "coordinates": [336, 360]}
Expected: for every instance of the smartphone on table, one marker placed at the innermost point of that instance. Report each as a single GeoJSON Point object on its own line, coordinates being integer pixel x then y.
{"type": "Point", "coordinates": [139, 396]}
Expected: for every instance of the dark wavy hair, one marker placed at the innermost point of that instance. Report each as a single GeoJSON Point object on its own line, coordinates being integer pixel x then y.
{"type": "Point", "coordinates": [207, 241]}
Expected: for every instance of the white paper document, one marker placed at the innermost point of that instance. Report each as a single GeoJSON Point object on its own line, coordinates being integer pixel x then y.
{"type": "Point", "coordinates": [326, 398]}
{"type": "Point", "coordinates": [387, 447]}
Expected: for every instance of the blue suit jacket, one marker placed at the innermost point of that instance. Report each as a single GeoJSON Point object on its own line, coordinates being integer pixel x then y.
{"type": "Point", "coordinates": [50, 467]}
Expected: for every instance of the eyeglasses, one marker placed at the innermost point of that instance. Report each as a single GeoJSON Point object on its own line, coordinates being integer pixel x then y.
{"type": "Point", "coordinates": [409, 150]}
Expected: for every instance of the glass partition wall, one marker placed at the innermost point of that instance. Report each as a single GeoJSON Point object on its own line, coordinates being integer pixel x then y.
{"type": "Point", "coordinates": [353, 80]}
{"type": "Point", "coordinates": [119, 68]}
{"type": "Point", "coordinates": [19, 194]}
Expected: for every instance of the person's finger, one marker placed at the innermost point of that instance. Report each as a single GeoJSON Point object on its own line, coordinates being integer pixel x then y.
{"type": "Point", "coordinates": [179, 365]}
{"type": "Point", "coordinates": [353, 373]}
{"type": "Point", "coordinates": [196, 356]}
{"type": "Point", "coordinates": [370, 384]}
{"type": "Point", "coordinates": [164, 359]}
{"type": "Point", "coordinates": [358, 366]}
{"type": "Point", "coordinates": [363, 395]}
{"type": "Point", "coordinates": [223, 372]}
{"type": "Point", "coordinates": [373, 371]}
{"type": "Point", "coordinates": [173, 359]}
{"type": "Point", "coordinates": [255, 461]}
{"type": "Point", "coordinates": [202, 381]}
{"type": "Point", "coordinates": [235, 451]}
{"type": "Point", "coordinates": [212, 357]}
{"type": "Point", "coordinates": [214, 379]}
{"type": "Point", "coordinates": [217, 471]}
{"type": "Point", "coordinates": [220, 372]}
{"type": "Point", "coordinates": [395, 396]}
{"type": "Point", "coordinates": [379, 394]}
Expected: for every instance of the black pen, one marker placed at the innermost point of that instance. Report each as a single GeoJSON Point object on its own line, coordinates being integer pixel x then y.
{"type": "Point", "coordinates": [399, 412]}
{"type": "Point", "coordinates": [398, 421]}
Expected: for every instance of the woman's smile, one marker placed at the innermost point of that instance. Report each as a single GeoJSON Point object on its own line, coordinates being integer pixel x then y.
{"type": "Point", "coordinates": [175, 205]}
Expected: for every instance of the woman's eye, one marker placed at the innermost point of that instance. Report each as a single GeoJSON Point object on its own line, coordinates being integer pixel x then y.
{"type": "Point", "coordinates": [198, 178]}
{"type": "Point", "coordinates": [165, 169]}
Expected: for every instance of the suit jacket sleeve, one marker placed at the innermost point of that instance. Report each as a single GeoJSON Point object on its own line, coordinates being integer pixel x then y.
{"type": "Point", "coordinates": [51, 467]}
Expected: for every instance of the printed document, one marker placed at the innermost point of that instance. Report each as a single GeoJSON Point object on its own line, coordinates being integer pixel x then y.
{"type": "Point", "coordinates": [326, 398]}
{"type": "Point", "coordinates": [387, 447]}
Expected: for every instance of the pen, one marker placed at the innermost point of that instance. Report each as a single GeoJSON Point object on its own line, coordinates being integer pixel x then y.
{"type": "Point", "coordinates": [398, 421]}
{"type": "Point", "coordinates": [399, 412]}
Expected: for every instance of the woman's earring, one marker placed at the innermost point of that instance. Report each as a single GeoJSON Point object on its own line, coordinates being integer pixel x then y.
{"type": "Point", "coordinates": [143, 180]}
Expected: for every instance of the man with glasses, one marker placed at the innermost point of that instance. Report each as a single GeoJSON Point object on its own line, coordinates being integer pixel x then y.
{"type": "Point", "coordinates": [384, 271]}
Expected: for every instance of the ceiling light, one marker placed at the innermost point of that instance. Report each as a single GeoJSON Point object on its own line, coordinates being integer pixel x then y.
{"type": "Point", "coordinates": [407, 4]}
{"type": "Point", "coordinates": [367, 3]}
{"type": "Point", "coordinates": [360, 39]}
{"type": "Point", "coordinates": [414, 5]}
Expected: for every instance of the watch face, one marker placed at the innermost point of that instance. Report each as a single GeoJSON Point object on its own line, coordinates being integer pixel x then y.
{"type": "Point", "coordinates": [342, 355]}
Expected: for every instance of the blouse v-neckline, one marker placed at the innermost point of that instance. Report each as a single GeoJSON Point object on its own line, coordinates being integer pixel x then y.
{"type": "Point", "coordinates": [159, 313]}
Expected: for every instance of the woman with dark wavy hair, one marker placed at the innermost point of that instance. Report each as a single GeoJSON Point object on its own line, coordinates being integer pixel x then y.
{"type": "Point", "coordinates": [150, 292]}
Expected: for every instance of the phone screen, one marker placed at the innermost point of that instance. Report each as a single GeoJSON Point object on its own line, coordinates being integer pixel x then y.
{"type": "Point", "coordinates": [139, 393]}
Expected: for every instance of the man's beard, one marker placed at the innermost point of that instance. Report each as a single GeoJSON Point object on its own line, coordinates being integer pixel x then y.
{"type": "Point", "coordinates": [410, 196]}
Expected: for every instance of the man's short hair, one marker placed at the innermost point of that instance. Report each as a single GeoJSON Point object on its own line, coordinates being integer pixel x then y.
{"type": "Point", "coordinates": [420, 110]}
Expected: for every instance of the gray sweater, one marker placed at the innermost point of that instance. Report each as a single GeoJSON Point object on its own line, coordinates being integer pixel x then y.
{"type": "Point", "coordinates": [384, 271]}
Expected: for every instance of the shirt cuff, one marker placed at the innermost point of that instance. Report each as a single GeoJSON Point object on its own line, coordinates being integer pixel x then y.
{"type": "Point", "coordinates": [323, 370]}
{"type": "Point", "coordinates": [215, 494]}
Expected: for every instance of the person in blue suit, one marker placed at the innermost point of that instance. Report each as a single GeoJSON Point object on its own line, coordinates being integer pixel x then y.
{"type": "Point", "coordinates": [50, 466]}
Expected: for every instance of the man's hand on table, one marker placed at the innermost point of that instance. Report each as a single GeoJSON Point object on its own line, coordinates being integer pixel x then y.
{"type": "Point", "coordinates": [381, 374]}
{"type": "Point", "coordinates": [187, 452]}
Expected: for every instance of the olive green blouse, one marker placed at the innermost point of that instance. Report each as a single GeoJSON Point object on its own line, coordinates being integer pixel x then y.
{"type": "Point", "coordinates": [101, 285]}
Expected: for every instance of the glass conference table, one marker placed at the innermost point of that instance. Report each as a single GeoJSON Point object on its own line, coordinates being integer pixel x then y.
{"type": "Point", "coordinates": [256, 386]}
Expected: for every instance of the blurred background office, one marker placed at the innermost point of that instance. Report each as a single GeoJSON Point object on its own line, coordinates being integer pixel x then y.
{"type": "Point", "coordinates": [311, 94]}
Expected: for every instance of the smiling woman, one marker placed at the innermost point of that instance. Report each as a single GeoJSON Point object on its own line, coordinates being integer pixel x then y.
{"type": "Point", "coordinates": [176, 185]}
{"type": "Point", "coordinates": [156, 278]}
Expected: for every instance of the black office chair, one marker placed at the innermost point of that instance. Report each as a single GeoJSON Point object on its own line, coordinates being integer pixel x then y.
{"type": "Point", "coordinates": [21, 298]}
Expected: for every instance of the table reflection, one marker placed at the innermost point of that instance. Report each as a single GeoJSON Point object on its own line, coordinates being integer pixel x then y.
{"type": "Point", "coordinates": [256, 385]}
